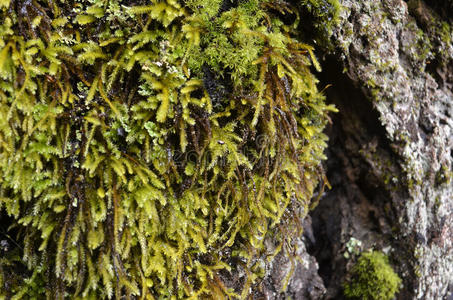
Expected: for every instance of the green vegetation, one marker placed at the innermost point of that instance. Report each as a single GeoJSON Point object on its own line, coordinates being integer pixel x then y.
{"type": "Point", "coordinates": [318, 18]}
{"type": "Point", "coordinates": [372, 277]}
{"type": "Point", "coordinates": [435, 38]}
{"type": "Point", "coordinates": [147, 146]}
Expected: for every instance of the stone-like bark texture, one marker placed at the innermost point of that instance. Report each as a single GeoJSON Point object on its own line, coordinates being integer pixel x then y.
{"type": "Point", "coordinates": [391, 146]}
{"type": "Point", "coordinates": [401, 55]}
{"type": "Point", "coordinates": [305, 282]}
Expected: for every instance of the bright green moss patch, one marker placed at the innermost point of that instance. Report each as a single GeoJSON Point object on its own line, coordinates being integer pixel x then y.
{"type": "Point", "coordinates": [143, 145]}
{"type": "Point", "coordinates": [372, 278]}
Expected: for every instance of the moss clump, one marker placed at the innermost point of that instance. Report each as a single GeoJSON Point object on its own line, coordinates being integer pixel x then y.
{"type": "Point", "coordinates": [319, 17]}
{"type": "Point", "coordinates": [145, 146]}
{"type": "Point", "coordinates": [372, 277]}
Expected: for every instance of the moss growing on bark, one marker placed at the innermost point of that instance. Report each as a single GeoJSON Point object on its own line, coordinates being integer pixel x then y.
{"type": "Point", "coordinates": [143, 144]}
{"type": "Point", "coordinates": [372, 278]}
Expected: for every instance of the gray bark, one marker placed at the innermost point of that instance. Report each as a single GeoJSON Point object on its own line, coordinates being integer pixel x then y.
{"type": "Point", "coordinates": [390, 153]}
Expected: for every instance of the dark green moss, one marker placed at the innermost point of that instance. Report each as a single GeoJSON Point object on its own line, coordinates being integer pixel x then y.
{"type": "Point", "coordinates": [318, 19]}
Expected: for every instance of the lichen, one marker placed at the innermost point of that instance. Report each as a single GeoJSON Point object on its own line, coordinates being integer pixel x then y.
{"type": "Point", "coordinates": [140, 142]}
{"type": "Point", "coordinates": [372, 277]}
{"type": "Point", "coordinates": [353, 247]}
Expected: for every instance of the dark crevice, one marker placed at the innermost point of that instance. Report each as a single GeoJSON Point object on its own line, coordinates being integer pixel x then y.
{"type": "Point", "coordinates": [356, 110]}
{"type": "Point", "coordinates": [227, 5]}
{"type": "Point", "coordinates": [443, 7]}
{"type": "Point", "coordinates": [11, 248]}
{"type": "Point", "coordinates": [8, 235]}
{"type": "Point", "coordinates": [422, 10]}
{"type": "Point", "coordinates": [217, 88]}
{"type": "Point", "coordinates": [434, 68]}
{"type": "Point", "coordinates": [360, 203]}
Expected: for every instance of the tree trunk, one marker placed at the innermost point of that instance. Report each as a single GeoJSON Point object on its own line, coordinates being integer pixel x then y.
{"type": "Point", "coordinates": [390, 154]}
{"type": "Point", "coordinates": [388, 68]}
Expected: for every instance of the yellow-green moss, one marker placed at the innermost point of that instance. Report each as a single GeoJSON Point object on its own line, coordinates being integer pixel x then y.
{"type": "Point", "coordinates": [141, 141]}
{"type": "Point", "coordinates": [372, 278]}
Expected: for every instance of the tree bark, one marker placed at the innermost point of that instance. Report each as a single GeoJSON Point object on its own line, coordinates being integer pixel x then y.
{"type": "Point", "coordinates": [390, 153]}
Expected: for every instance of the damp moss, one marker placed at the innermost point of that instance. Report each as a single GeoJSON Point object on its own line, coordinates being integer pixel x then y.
{"type": "Point", "coordinates": [146, 147]}
{"type": "Point", "coordinates": [372, 277]}
{"type": "Point", "coordinates": [322, 16]}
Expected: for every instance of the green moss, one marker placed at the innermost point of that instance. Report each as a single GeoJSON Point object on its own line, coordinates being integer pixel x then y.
{"type": "Point", "coordinates": [443, 176]}
{"type": "Point", "coordinates": [230, 41]}
{"type": "Point", "coordinates": [433, 41]}
{"type": "Point", "coordinates": [372, 277]}
{"type": "Point", "coordinates": [323, 15]}
{"type": "Point", "coordinates": [140, 143]}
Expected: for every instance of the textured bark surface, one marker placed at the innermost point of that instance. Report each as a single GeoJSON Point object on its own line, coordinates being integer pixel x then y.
{"type": "Point", "coordinates": [391, 148]}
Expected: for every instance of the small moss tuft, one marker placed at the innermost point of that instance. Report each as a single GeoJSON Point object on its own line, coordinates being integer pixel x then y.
{"type": "Point", "coordinates": [372, 277]}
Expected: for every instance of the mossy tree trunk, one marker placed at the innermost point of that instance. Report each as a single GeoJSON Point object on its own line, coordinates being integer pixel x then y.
{"type": "Point", "coordinates": [391, 145]}
{"type": "Point", "coordinates": [390, 154]}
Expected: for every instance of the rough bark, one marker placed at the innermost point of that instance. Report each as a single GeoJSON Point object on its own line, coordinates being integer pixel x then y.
{"type": "Point", "coordinates": [391, 148]}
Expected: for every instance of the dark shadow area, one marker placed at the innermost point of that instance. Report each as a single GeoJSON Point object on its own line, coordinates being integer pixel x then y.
{"type": "Point", "coordinates": [443, 7]}
{"type": "Point", "coordinates": [360, 168]}
{"type": "Point", "coordinates": [11, 248]}
{"type": "Point", "coordinates": [8, 236]}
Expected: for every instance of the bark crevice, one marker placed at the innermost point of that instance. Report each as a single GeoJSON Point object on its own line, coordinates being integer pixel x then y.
{"type": "Point", "coordinates": [359, 168]}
